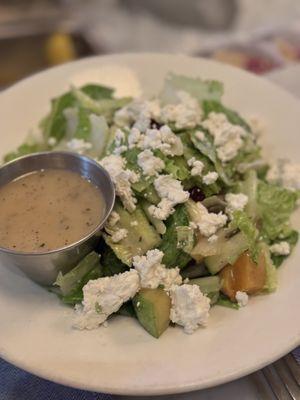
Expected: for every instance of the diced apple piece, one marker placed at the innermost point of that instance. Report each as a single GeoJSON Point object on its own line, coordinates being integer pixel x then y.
{"type": "Point", "coordinates": [244, 275]}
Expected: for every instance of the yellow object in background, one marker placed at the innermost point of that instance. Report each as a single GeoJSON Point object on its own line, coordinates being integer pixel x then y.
{"type": "Point", "coordinates": [60, 48]}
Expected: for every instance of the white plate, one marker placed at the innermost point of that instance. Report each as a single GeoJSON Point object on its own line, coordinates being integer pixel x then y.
{"type": "Point", "coordinates": [36, 332]}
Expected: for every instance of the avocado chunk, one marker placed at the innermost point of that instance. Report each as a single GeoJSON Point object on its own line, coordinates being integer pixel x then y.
{"type": "Point", "coordinates": [209, 285]}
{"type": "Point", "coordinates": [152, 307]}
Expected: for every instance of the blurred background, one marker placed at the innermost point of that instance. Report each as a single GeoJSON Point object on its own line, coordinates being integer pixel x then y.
{"type": "Point", "coordinates": [259, 36]}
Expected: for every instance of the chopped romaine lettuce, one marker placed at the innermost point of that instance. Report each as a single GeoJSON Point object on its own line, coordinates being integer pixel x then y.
{"type": "Point", "coordinates": [190, 151]}
{"type": "Point", "coordinates": [249, 188]}
{"type": "Point", "coordinates": [224, 301]}
{"type": "Point", "coordinates": [105, 106]}
{"type": "Point", "coordinates": [291, 237]}
{"type": "Point", "coordinates": [98, 92]}
{"type": "Point", "coordinates": [55, 124]}
{"type": "Point", "coordinates": [70, 281]}
{"type": "Point", "coordinates": [275, 205]}
{"type": "Point", "coordinates": [185, 238]}
{"type": "Point", "coordinates": [196, 87]}
{"type": "Point", "coordinates": [28, 147]}
{"type": "Point", "coordinates": [173, 256]}
{"type": "Point", "coordinates": [241, 221]}
{"type": "Point", "coordinates": [207, 148]}
{"type": "Point", "coordinates": [76, 295]}
{"type": "Point", "coordinates": [177, 167]}
{"type": "Point", "coordinates": [271, 272]}
{"type": "Point", "coordinates": [232, 116]}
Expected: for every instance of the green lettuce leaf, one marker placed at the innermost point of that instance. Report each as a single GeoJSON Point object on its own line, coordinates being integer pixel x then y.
{"type": "Point", "coordinates": [98, 92]}
{"type": "Point", "coordinates": [55, 124]}
{"type": "Point", "coordinates": [173, 256]}
{"type": "Point", "coordinates": [105, 107]}
{"type": "Point", "coordinates": [177, 167]}
{"type": "Point", "coordinates": [207, 148]}
{"type": "Point", "coordinates": [185, 238]}
{"type": "Point", "coordinates": [196, 87]}
{"type": "Point", "coordinates": [75, 296]}
{"type": "Point", "coordinates": [24, 149]}
{"type": "Point", "coordinates": [271, 272]}
{"type": "Point", "coordinates": [241, 221]}
{"type": "Point", "coordinates": [224, 301]}
{"type": "Point", "coordinates": [290, 237]}
{"type": "Point", "coordinates": [232, 116]}
{"type": "Point", "coordinates": [249, 187]}
{"type": "Point", "coordinates": [70, 282]}
{"type": "Point", "coordinates": [275, 206]}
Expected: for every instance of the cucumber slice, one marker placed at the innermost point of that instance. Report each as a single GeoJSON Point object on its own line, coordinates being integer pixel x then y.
{"type": "Point", "coordinates": [141, 235]}
{"type": "Point", "coordinates": [228, 253]}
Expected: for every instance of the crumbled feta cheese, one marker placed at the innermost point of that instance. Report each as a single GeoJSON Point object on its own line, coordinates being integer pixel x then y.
{"type": "Point", "coordinates": [139, 113]}
{"type": "Point", "coordinates": [150, 164]}
{"type": "Point", "coordinates": [197, 166]}
{"type": "Point", "coordinates": [163, 210]}
{"type": "Point", "coordinates": [235, 202]}
{"type": "Point", "coordinates": [190, 308]}
{"type": "Point", "coordinates": [285, 173]}
{"type": "Point", "coordinates": [119, 137]}
{"type": "Point", "coordinates": [153, 273]}
{"type": "Point", "coordinates": [186, 114]}
{"type": "Point", "coordinates": [113, 219]}
{"type": "Point", "coordinates": [122, 117]}
{"type": "Point", "coordinates": [241, 298]}
{"type": "Point", "coordinates": [170, 188]}
{"type": "Point", "coordinates": [208, 223]}
{"type": "Point", "coordinates": [212, 239]}
{"type": "Point", "coordinates": [171, 192]}
{"type": "Point", "coordinates": [228, 138]}
{"type": "Point", "coordinates": [122, 178]}
{"type": "Point", "coordinates": [280, 249]}
{"type": "Point", "coordinates": [120, 150]}
{"type": "Point", "coordinates": [164, 140]}
{"type": "Point", "coordinates": [104, 296]}
{"type": "Point", "coordinates": [119, 142]}
{"type": "Point", "coordinates": [210, 178]}
{"type": "Point", "coordinates": [134, 138]}
{"type": "Point", "coordinates": [200, 135]}
{"type": "Point", "coordinates": [78, 145]}
{"type": "Point", "coordinates": [134, 223]}
{"type": "Point", "coordinates": [193, 225]}
{"type": "Point", "coordinates": [118, 235]}
{"type": "Point", "coordinates": [52, 141]}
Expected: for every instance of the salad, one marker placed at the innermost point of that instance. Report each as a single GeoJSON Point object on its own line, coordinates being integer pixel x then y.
{"type": "Point", "coordinates": [200, 219]}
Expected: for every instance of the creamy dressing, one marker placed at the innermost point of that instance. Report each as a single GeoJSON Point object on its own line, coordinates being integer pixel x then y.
{"type": "Point", "coordinates": [47, 210]}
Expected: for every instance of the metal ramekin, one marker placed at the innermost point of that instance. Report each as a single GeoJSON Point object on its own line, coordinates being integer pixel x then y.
{"type": "Point", "coordinates": [43, 267]}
